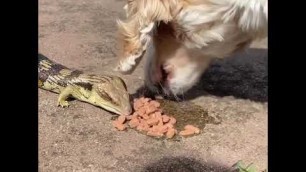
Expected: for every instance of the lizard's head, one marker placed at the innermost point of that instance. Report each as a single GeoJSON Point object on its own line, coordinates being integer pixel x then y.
{"type": "Point", "coordinates": [112, 96]}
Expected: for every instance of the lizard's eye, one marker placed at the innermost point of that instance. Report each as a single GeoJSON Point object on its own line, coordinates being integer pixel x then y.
{"type": "Point", "coordinates": [123, 83]}
{"type": "Point", "coordinates": [106, 96]}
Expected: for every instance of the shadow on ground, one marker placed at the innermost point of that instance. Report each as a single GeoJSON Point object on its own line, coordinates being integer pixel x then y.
{"type": "Point", "coordinates": [183, 164]}
{"type": "Point", "coordinates": [243, 75]}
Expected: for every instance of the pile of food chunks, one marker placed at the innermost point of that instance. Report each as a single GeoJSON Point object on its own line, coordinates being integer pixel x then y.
{"type": "Point", "coordinates": [149, 118]}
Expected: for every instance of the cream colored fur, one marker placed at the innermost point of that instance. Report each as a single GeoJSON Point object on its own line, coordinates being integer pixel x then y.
{"type": "Point", "coordinates": [184, 35]}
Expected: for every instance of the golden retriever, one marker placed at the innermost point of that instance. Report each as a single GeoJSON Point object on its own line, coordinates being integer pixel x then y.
{"type": "Point", "coordinates": [181, 37]}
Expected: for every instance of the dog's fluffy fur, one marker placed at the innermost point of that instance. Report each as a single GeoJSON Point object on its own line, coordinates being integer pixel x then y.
{"type": "Point", "coordinates": [182, 36]}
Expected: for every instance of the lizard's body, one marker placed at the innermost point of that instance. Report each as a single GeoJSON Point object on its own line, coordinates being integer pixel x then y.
{"type": "Point", "coordinates": [107, 92]}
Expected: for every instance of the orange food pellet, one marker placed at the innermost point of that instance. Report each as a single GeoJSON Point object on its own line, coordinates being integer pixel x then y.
{"type": "Point", "coordinates": [145, 116]}
{"type": "Point", "coordinates": [152, 115]}
{"type": "Point", "coordinates": [146, 99]}
{"type": "Point", "coordinates": [170, 133]}
{"type": "Point", "coordinates": [141, 111]}
{"type": "Point", "coordinates": [165, 118]}
{"type": "Point", "coordinates": [134, 123]}
{"type": "Point", "coordinates": [115, 123]}
{"type": "Point", "coordinates": [119, 126]}
{"type": "Point", "coordinates": [169, 125]}
{"type": "Point", "coordinates": [146, 104]}
{"type": "Point", "coordinates": [143, 127]}
{"type": "Point", "coordinates": [155, 104]}
{"type": "Point", "coordinates": [150, 109]}
{"type": "Point", "coordinates": [121, 119]}
{"type": "Point", "coordinates": [154, 128]}
{"type": "Point", "coordinates": [160, 121]}
{"type": "Point", "coordinates": [152, 121]}
{"type": "Point", "coordinates": [163, 129]}
{"type": "Point", "coordinates": [137, 105]}
{"type": "Point", "coordinates": [172, 120]}
{"type": "Point", "coordinates": [193, 128]}
{"type": "Point", "coordinates": [141, 99]}
{"type": "Point", "coordinates": [158, 114]}
{"type": "Point", "coordinates": [186, 133]}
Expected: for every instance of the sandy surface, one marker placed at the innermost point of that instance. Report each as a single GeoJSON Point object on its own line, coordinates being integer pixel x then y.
{"type": "Point", "coordinates": [81, 34]}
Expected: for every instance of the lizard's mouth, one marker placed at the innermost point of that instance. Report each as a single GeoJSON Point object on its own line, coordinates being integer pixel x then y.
{"type": "Point", "coordinates": [111, 109]}
{"type": "Point", "coordinates": [117, 110]}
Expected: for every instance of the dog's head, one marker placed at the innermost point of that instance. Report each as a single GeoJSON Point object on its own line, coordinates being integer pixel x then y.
{"type": "Point", "coordinates": [184, 48]}
{"type": "Point", "coordinates": [193, 34]}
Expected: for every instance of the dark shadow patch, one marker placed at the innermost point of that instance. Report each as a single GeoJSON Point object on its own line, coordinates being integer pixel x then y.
{"type": "Point", "coordinates": [183, 164]}
{"type": "Point", "coordinates": [243, 75]}
{"type": "Point", "coordinates": [142, 91]}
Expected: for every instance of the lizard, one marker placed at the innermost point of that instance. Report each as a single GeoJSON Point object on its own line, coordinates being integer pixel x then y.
{"type": "Point", "coordinates": [106, 91]}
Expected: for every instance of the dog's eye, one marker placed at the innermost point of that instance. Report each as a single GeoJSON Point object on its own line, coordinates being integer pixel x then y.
{"type": "Point", "coordinates": [138, 53]}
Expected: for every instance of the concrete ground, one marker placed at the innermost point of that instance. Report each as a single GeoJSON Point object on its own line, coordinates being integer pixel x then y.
{"type": "Point", "coordinates": [81, 34]}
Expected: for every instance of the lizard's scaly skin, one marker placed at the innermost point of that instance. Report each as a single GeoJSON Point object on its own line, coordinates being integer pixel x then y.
{"type": "Point", "coordinates": [107, 92]}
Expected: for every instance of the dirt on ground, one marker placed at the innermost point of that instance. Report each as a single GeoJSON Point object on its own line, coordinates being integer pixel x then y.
{"type": "Point", "coordinates": [82, 35]}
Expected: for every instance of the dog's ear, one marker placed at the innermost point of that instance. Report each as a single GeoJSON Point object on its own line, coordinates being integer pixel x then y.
{"type": "Point", "coordinates": [127, 64]}
{"type": "Point", "coordinates": [142, 15]}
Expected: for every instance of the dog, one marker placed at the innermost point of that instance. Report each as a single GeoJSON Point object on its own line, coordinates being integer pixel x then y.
{"type": "Point", "coordinates": [181, 37]}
